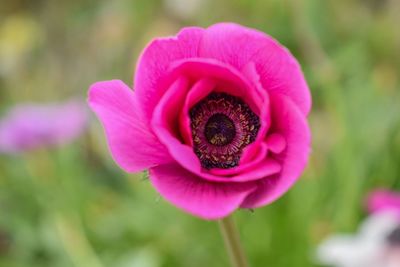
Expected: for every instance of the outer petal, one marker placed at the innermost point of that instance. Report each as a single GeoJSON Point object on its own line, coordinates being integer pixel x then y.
{"type": "Point", "coordinates": [132, 144]}
{"type": "Point", "coordinates": [288, 121]}
{"type": "Point", "coordinates": [278, 69]}
{"type": "Point", "coordinates": [155, 61]}
{"type": "Point", "coordinates": [196, 196]}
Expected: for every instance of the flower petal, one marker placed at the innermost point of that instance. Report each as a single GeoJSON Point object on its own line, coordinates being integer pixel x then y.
{"type": "Point", "coordinates": [276, 143]}
{"type": "Point", "coordinates": [278, 69]}
{"type": "Point", "coordinates": [258, 157]}
{"type": "Point", "coordinates": [383, 200]}
{"type": "Point", "coordinates": [288, 121]}
{"type": "Point", "coordinates": [227, 78]}
{"type": "Point", "coordinates": [249, 70]}
{"type": "Point", "coordinates": [198, 91]}
{"type": "Point", "coordinates": [155, 61]}
{"type": "Point", "coordinates": [164, 127]}
{"type": "Point", "coordinates": [133, 146]}
{"type": "Point", "coordinates": [196, 196]}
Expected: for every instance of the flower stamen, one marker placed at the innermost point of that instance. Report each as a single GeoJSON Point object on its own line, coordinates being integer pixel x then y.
{"type": "Point", "coordinates": [222, 126]}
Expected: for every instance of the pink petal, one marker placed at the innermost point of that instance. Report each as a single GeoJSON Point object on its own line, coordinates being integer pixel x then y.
{"type": "Point", "coordinates": [155, 61]}
{"type": "Point", "coordinates": [199, 90]}
{"type": "Point", "coordinates": [201, 198]}
{"type": "Point", "coordinates": [276, 143]}
{"type": "Point", "coordinates": [185, 157]}
{"type": "Point", "coordinates": [384, 200]}
{"type": "Point", "coordinates": [228, 79]}
{"type": "Point", "coordinates": [249, 70]}
{"type": "Point", "coordinates": [288, 121]}
{"type": "Point", "coordinates": [279, 70]}
{"type": "Point", "coordinates": [168, 111]}
{"type": "Point", "coordinates": [173, 101]}
{"type": "Point", "coordinates": [258, 157]}
{"type": "Point", "coordinates": [133, 145]}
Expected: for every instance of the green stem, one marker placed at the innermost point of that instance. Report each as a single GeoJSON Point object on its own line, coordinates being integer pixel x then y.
{"type": "Point", "coordinates": [232, 242]}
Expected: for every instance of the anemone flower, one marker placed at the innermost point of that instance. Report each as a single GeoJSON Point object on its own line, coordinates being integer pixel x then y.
{"type": "Point", "coordinates": [218, 116]}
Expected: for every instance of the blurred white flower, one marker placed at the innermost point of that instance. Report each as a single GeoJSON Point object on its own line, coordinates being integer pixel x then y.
{"type": "Point", "coordinates": [375, 245]}
{"type": "Point", "coordinates": [183, 9]}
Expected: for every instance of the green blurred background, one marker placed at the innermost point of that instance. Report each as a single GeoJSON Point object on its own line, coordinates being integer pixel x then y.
{"type": "Point", "coordinates": [74, 207]}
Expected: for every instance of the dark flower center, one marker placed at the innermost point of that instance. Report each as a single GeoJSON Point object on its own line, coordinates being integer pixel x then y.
{"type": "Point", "coordinates": [394, 238]}
{"type": "Point", "coordinates": [222, 126]}
{"type": "Point", "coordinates": [219, 130]}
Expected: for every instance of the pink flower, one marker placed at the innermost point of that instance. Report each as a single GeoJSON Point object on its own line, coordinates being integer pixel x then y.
{"type": "Point", "coordinates": [376, 244]}
{"type": "Point", "coordinates": [30, 126]}
{"type": "Point", "coordinates": [218, 116]}
{"type": "Point", "coordinates": [384, 201]}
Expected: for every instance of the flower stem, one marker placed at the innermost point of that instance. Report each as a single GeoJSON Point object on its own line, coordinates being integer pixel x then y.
{"type": "Point", "coordinates": [232, 242]}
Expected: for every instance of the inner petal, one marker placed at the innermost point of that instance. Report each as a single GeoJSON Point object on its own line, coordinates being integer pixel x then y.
{"type": "Point", "coordinates": [222, 126]}
{"type": "Point", "coordinates": [191, 82]}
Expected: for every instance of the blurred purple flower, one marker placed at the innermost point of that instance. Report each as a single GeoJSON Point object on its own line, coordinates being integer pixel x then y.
{"type": "Point", "coordinates": [31, 126]}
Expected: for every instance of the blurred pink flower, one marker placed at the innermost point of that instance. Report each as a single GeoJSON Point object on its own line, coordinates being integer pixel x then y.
{"type": "Point", "coordinates": [218, 116]}
{"type": "Point", "coordinates": [384, 200]}
{"type": "Point", "coordinates": [376, 244]}
{"type": "Point", "coordinates": [30, 126]}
